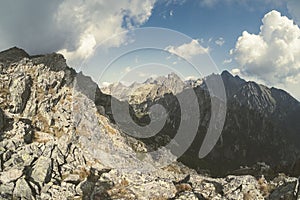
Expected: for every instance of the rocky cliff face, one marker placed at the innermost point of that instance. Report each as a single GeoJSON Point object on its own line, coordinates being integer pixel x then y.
{"type": "Point", "coordinates": [50, 147]}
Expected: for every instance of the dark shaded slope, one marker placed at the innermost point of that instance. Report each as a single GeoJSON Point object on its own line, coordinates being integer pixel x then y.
{"type": "Point", "coordinates": [261, 126]}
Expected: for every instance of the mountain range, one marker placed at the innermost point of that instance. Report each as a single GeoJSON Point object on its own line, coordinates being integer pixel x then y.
{"type": "Point", "coordinates": [60, 139]}
{"type": "Point", "coordinates": [261, 122]}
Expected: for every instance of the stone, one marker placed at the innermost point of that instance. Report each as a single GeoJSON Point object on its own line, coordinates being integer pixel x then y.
{"type": "Point", "coordinates": [10, 175]}
{"type": "Point", "coordinates": [45, 196]}
{"type": "Point", "coordinates": [19, 92]}
{"type": "Point", "coordinates": [22, 190]}
{"type": "Point", "coordinates": [72, 178]}
{"type": "Point", "coordinates": [34, 188]}
{"type": "Point", "coordinates": [26, 157]}
{"type": "Point", "coordinates": [285, 191]}
{"type": "Point", "coordinates": [6, 190]}
{"type": "Point", "coordinates": [42, 170]}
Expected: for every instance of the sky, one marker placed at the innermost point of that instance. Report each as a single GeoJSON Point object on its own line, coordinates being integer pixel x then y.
{"type": "Point", "coordinates": [132, 40]}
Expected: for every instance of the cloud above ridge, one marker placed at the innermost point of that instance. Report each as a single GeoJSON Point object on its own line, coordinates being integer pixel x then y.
{"type": "Point", "coordinates": [71, 27]}
{"type": "Point", "coordinates": [272, 55]}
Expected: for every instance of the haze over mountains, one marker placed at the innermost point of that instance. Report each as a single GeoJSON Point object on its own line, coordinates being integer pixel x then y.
{"type": "Point", "coordinates": [152, 88]}
{"type": "Point", "coordinates": [58, 138]}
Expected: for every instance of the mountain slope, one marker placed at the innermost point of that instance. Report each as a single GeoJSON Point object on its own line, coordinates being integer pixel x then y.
{"type": "Point", "coordinates": [260, 126]}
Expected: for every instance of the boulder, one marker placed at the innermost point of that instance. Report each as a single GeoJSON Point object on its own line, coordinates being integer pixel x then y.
{"type": "Point", "coordinates": [42, 170]}
{"type": "Point", "coordinates": [22, 190]}
{"type": "Point", "coordinates": [20, 88]}
{"type": "Point", "coordinates": [6, 190]}
{"type": "Point", "coordinates": [285, 191]}
{"type": "Point", "coordinates": [10, 175]}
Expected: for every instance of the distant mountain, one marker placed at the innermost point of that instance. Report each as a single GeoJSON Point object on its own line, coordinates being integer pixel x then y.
{"type": "Point", "coordinates": [118, 90]}
{"type": "Point", "coordinates": [151, 89]}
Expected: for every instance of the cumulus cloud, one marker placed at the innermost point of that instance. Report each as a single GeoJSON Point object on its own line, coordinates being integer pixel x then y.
{"type": "Point", "coordinates": [272, 55]}
{"type": "Point", "coordinates": [220, 41]}
{"type": "Point", "coordinates": [236, 71]}
{"type": "Point", "coordinates": [72, 27]}
{"type": "Point", "coordinates": [98, 21]}
{"type": "Point", "coordinates": [188, 50]}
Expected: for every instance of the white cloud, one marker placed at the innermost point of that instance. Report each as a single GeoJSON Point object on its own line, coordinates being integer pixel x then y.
{"type": "Point", "coordinates": [95, 21]}
{"type": "Point", "coordinates": [227, 61]}
{"type": "Point", "coordinates": [105, 84]}
{"type": "Point", "coordinates": [72, 27]}
{"type": "Point", "coordinates": [273, 55]}
{"type": "Point", "coordinates": [188, 50]}
{"type": "Point", "coordinates": [236, 71]}
{"type": "Point", "coordinates": [220, 41]}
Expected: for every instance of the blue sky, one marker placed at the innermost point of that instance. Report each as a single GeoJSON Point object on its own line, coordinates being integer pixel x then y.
{"type": "Point", "coordinates": [226, 20]}
{"type": "Point", "coordinates": [258, 40]}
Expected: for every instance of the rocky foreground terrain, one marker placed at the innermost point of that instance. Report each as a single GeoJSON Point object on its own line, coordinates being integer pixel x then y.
{"type": "Point", "coordinates": [47, 123]}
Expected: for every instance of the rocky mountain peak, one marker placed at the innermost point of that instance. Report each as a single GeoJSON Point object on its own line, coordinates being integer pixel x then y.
{"type": "Point", "coordinates": [173, 75]}
{"type": "Point", "coordinates": [55, 61]}
{"type": "Point", "coordinates": [226, 73]}
{"type": "Point", "coordinates": [149, 80]}
{"type": "Point", "coordinates": [231, 83]}
{"type": "Point", "coordinates": [151, 89]}
{"type": "Point", "coordinates": [256, 96]}
{"type": "Point", "coordinates": [13, 54]}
